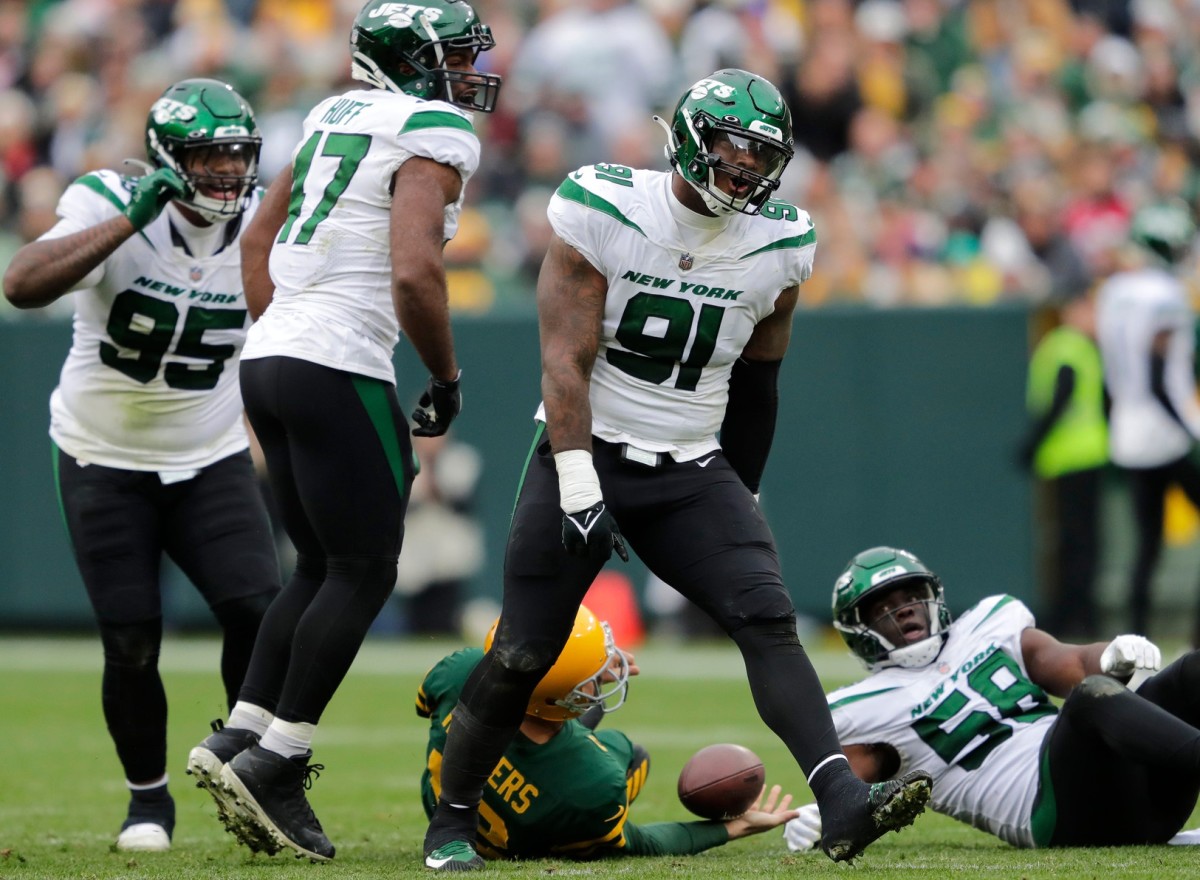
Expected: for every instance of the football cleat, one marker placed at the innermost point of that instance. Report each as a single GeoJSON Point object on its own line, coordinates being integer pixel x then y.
{"type": "Point", "coordinates": [890, 806]}
{"type": "Point", "coordinates": [144, 837]}
{"type": "Point", "coordinates": [267, 791]}
{"type": "Point", "coordinates": [149, 822]}
{"type": "Point", "coordinates": [205, 762]}
{"type": "Point", "coordinates": [216, 750]}
{"type": "Point", "coordinates": [457, 855]}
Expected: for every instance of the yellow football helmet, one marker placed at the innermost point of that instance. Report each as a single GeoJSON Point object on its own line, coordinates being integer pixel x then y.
{"type": "Point", "coordinates": [590, 671]}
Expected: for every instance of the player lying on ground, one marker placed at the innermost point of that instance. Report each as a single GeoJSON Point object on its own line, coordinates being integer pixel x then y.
{"type": "Point", "coordinates": [563, 788]}
{"type": "Point", "coordinates": [969, 702]}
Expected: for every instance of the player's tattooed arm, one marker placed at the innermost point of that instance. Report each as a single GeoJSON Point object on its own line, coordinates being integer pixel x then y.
{"type": "Point", "coordinates": [570, 297]}
{"type": "Point", "coordinates": [44, 270]}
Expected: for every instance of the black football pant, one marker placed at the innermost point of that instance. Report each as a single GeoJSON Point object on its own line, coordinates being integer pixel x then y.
{"type": "Point", "coordinates": [1124, 767]}
{"type": "Point", "coordinates": [1076, 555]}
{"type": "Point", "coordinates": [215, 528]}
{"type": "Point", "coordinates": [1148, 488]}
{"type": "Point", "coordinates": [697, 527]}
{"type": "Point", "coordinates": [340, 465]}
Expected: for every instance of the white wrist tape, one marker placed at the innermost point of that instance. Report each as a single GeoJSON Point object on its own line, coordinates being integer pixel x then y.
{"type": "Point", "coordinates": [578, 483]}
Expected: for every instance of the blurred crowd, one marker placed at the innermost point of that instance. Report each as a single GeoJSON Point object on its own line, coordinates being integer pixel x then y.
{"type": "Point", "coordinates": [949, 151]}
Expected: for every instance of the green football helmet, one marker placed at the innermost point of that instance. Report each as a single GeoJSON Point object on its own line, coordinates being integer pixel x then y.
{"type": "Point", "coordinates": [871, 573]}
{"type": "Point", "coordinates": [402, 47]}
{"type": "Point", "coordinates": [1164, 228]}
{"type": "Point", "coordinates": [205, 132]}
{"type": "Point", "coordinates": [736, 123]}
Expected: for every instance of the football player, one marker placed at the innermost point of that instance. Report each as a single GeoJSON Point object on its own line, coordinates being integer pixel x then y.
{"type": "Point", "coordinates": [345, 253]}
{"type": "Point", "coordinates": [969, 702]}
{"type": "Point", "coordinates": [665, 305]}
{"type": "Point", "coordinates": [563, 788]}
{"type": "Point", "coordinates": [150, 450]}
{"type": "Point", "coordinates": [1146, 331]}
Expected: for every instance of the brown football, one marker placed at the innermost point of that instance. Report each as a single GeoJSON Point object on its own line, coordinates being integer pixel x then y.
{"type": "Point", "coordinates": [721, 781]}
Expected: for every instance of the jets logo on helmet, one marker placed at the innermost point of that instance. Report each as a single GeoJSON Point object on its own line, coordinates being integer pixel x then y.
{"type": "Point", "coordinates": [403, 47]}
{"type": "Point", "coordinates": [206, 133]}
{"type": "Point", "coordinates": [718, 89]}
{"type": "Point", "coordinates": [166, 110]}
{"type": "Point", "coordinates": [871, 574]}
{"type": "Point", "coordinates": [404, 14]}
{"type": "Point", "coordinates": [730, 138]}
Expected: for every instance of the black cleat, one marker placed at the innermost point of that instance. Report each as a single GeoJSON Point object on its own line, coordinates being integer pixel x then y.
{"type": "Point", "coordinates": [216, 750]}
{"type": "Point", "coordinates": [890, 806]}
{"type": "Point", "coordinates": [149, 823]}
{"type": "Point", "coordinates": [267, 789]}
{"type": "Point", "coordinates": [205, 762]}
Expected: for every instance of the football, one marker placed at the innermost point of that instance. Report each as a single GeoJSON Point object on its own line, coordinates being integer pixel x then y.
{"type": "Point", "coordinates": [721, 781]}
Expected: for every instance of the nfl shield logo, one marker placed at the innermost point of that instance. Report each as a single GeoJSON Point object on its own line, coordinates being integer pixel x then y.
{"type": "Point", "coordinates": [685, 262]}
{"type": "Point", "coordinates": [196, 273]}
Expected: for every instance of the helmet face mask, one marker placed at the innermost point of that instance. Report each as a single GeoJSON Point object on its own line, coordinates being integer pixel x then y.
{"type": "Point", "coordinates": [878, 642]}
{"type": "Point", "coordinates": [426, 50]}
{"type": "Point", "coordinates": [590, 671]}
{"type": "Point", "coordinates": [730, 138]}
{"type": "Point", "coordinates": [206, 133]}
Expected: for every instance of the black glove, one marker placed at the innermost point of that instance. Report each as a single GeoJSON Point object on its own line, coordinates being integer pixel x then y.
{"type": "Point", "coordinates": [593, 532]}
{"type": "Point", "coordinates": [446, 401]}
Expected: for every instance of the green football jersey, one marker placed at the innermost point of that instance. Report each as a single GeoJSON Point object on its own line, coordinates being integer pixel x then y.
{"type": "Point", "coordinates": [568, 797]}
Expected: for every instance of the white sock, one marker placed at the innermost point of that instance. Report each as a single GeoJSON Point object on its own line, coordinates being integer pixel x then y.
{"type": "Point", "coordinates": [288, 738]}
{"type": "Point", "coordinates": [247, 716]}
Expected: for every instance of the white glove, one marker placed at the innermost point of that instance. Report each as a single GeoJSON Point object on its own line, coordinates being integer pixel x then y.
{"type": "Point", "coordinates": [1129, 654]}
{"type": "Point", "coordinates": [803, 833]}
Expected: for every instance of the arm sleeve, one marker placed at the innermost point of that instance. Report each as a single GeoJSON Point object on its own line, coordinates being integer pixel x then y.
{"type": "Point", "coordinates": [749, 425]}
{"type": "Point", "coordinates": [1158, 386]}
{"type": "Point", "coordinates": [673, 838]}
{"type": "Point", "coordinates": [1064, 386]}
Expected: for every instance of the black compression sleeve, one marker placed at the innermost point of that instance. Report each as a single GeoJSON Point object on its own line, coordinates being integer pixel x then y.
{"type": "Point", "coordinates": [1064, 386]}
{"type": "Point", "coordinates": [749, 425]}
{"type": "Point", "coordinates": [1158, 386]}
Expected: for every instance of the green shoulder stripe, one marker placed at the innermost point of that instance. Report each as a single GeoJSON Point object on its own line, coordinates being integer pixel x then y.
{"type": "Point", "coordinates": [796, 241]}
{"type": "Point", "coordinates": [854, 698]}
{"type": "Point", "coordinates": [436, 119]}
{"type": "Point", "coordinates": [995, 608]}
{"type": "Point", "coordinates": [574, 192]}
{"type": "Point", "coordinates": [96, 185]}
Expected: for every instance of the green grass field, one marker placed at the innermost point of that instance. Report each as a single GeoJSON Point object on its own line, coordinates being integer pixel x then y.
{"type": "Point", "coordinates": [62, 798]}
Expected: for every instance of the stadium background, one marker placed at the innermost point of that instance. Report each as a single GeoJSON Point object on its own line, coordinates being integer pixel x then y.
{"type": "Point", "coordinates": [968, 165]}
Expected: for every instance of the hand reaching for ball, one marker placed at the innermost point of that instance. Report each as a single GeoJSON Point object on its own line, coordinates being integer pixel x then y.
{"type": "Point", "coordinates": [769, 811]}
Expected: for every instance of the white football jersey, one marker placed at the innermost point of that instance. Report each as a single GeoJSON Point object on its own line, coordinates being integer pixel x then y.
{"type": "Point", "coordinates": [151, 381]}
{"type": "Point", "coordinates": [1132, 308]}
{"type": "Point", "coordinates": [675, 317]}
{"type": "Point", "coordinates": [332, 260]}
{"type": "Point", "coordinates": [972, 719]}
